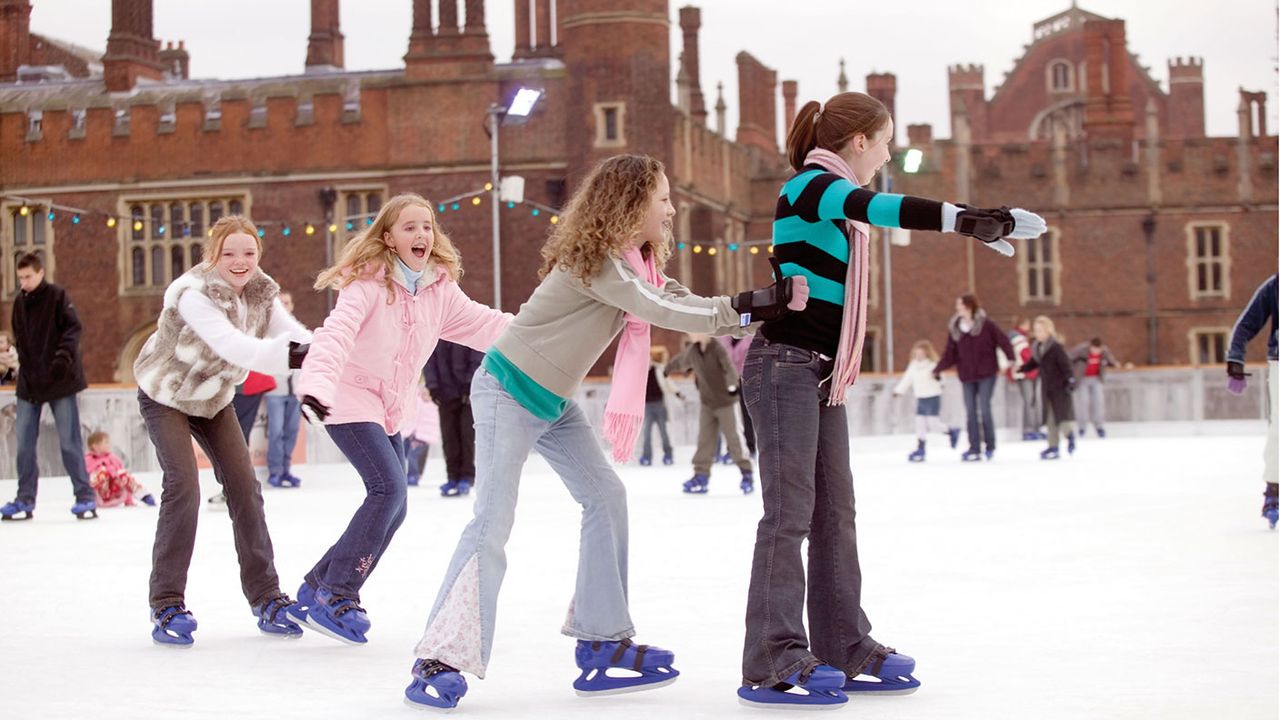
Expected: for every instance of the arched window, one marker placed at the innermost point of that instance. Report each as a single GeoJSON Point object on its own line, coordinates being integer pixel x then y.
{"type": "Point", "coordinates": [1060, 76]}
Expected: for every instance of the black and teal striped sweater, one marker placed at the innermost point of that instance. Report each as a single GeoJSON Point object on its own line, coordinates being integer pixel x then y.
{"type": "Point", "coordinates": [810, 238]}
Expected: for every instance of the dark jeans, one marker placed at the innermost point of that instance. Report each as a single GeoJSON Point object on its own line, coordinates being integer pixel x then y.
{"type": "Point", "coordinates": [379, 459]}
{"type": "Point", "coordinates": [66, 415]}
{"type": "Point", "coordinates": [222, 442]}
{"type": "Point", "coordinates": [977, 401]}
{"type": "Point", "coordinates": [748, 427]}
{"type": "Point", "coordinates": [655, 413]}
{"type": "Point", "coordinates": [807, 489]}
{"type": "Point", "coordinates": [458, 435]}
{"type": "Point", "coordinates": [415, 457]}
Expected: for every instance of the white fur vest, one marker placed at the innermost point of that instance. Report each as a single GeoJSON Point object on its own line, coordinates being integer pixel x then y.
{"type": "Point", "coordinates": [178, 369]}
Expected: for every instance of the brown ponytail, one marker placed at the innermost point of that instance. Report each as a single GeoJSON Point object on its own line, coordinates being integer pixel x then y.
{"type": "Point", "coordinates": [833, 125]}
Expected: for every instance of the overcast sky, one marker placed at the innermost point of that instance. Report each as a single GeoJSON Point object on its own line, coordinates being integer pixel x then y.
{"type": "Point", "coordinates": [914, 39]}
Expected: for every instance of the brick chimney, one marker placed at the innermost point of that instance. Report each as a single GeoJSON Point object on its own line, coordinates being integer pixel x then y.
{"type": "Point", "coordinates": [968, 95]}
{"type": "Point", "coordinates": [884, 87]}
{"type": "Point", "coordinates": [1186, 98]}
{"type": "Point", "coordinates": [789, 90]}
{"type": "Point", "coordinates": [757, 104]}
{"type": "Point", "coordinates": [132, 50]}
{"type": "Point", "coordinates": [449, 51]}
{"type": "Point", "coordinates": [1108, 112]}
{"type": "Point", "coordinates": [15, 37]}
{"type": "Point", "coordinates": [919, 135]}
{"type": "Point", "coordinates": [690, 22]}
{"type": "Point", "coordinates": [324, 46]}
{"type": "Point", "coordinates": [176, 60]}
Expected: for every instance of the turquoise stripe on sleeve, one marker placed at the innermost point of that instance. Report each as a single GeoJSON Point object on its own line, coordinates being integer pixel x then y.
{"type": "Point", "coordinates": [796, 185]}
{"type": "Point", "coordinates": [884, 210]}
{"type": "Point", "coordinates": [824, 236]}
{"type": "Point", "coordinates": [831, 205]}
{"type": "Point", "coordinates": [819, 287]}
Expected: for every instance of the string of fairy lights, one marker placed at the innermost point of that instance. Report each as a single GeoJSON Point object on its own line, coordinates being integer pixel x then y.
{"type": "Point", "coordinates": [457, 203]}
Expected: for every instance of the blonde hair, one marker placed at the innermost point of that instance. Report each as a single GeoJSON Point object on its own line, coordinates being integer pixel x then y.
{"type": "Point", "coordinates": [927, 346]}
{"type": "Point", "coordinates": [96, 437]}
{"type": "Point", "coordinates": [604, 214]}
{"type": "Point", "coordinates": [1048, 325]}
{"type": "Point", "coordinates": [368, 251]}
{"type": "Point", "coordinates": [833, 125]}
{"type": "Point", "coordinates": [227, 226]}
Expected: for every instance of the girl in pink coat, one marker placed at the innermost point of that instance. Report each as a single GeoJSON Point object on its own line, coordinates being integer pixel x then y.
{"type": "Point", "coordinates": [398, 295]}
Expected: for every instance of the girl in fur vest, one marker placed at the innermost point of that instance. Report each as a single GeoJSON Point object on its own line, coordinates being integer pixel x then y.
{"type": "Point", "coordinates": [601, 276]}
{"type": "Point", "coordinates": [399, 295]}
{"type": "Point", "coordinates": [927, 391]}
{"type": "Point", "coordinates": [220, 319]}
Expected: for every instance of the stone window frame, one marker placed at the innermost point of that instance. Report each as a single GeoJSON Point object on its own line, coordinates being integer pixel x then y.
{"type": "Point", "coordinates": [10, 216]}
{"type": "Point", "coordinates": [1051, 76]}
{"type": "Point", "coordinates": [341, 215]}
{"type": "Point", "coordinates": [1199, 334]}
{"type": "Point", "coordinates": [601, 110]}
{"type": "Point", "coordinates": [1195, 261]}
{"type": "Point", "coordinates": [150, 239]}
{"type": "Point", "coordinates": [873, 360]}
{"type": "Point", "coordinates": [1053, 268]}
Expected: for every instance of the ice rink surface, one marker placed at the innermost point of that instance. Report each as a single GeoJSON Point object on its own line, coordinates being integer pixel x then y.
{"type": "Point", "coordinates": [1133, 580]}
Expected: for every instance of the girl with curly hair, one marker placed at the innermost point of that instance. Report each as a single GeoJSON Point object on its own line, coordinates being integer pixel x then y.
{"type": "Point", "coordinates": [601, 275]}
{"type": "Point", "coordinates": [398, 295]}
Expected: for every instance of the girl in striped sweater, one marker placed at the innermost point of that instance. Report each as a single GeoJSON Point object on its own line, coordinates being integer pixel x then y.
{"type": "Point", "coordinates": [794, 380]}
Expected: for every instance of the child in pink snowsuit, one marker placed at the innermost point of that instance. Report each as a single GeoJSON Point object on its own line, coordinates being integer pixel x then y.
{"type": "Point", "coordinates": [111, 482]}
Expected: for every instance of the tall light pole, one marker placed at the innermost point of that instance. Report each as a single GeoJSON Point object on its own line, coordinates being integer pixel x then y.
{"type": "Point", "coordinates": [498, 115]}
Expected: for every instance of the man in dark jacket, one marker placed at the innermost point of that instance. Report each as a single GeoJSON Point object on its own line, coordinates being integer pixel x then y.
{"type": "Point", "coordinates": [448, 375]}
{"type": "Point", "coordinates": [46, 333]}
{"type": "Point", "coordinates": [1263, 310]}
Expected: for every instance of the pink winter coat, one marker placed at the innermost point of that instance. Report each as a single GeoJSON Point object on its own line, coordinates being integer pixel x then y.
{"type": "Point", "coordinates": [366, 360]}
{"type": "Point", "coordinates": [93, 462]}
{"type": "Point", "coordinates": [426, 422]}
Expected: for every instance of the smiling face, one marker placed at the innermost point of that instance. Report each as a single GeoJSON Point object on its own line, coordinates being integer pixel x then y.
{"type": "Point", "coordinates": [238, 260]}
{"type": "Point", "coordinates": [866, 155]}
{"type": "Point", "coordinates": [411, 236]}
{"type": "Point", "coordinates": [1042, 332]}
{"type": "Point", "coordinates": [655, 229]}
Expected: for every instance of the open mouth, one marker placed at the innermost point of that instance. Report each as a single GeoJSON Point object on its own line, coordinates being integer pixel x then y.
{"type": "Point", "coordinates": [239, 273]}
{"type": "Point", "coordinates": [419, 251]}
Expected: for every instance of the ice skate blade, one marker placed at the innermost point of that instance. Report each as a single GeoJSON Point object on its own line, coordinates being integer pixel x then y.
{"type": "Point", "coordinates": [626, 690]}
{"type": "Point", "coordinates": [880, 693]}
{"type": "Point", "coordinates": [174, 646]}
{"type": "Point", "coordinates": [282, 636]}
{"type": "Point", "coordinates": [429, 708]}
{"type": "Point", "coordinates": [788, 706]}
{"type": "Point", "coordinates": [330, 634]}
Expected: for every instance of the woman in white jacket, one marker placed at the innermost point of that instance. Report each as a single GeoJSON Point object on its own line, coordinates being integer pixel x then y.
{"type": "Point", "coordinates": [927, 389]}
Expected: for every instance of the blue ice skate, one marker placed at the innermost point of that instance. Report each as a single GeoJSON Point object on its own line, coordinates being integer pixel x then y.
{"type": "Point", "coordinates": [1270, 506]}
{"type": "Point", "coordinates": [645, 460]}
{"type": "Point", "coordinates": [284, 480]}
{"type": "Point", "coordinates": [173, 626]}
{"type": "Point", "coordinates": [748, 484]}
{"type": "Point", "coordinates": [667, 459]}
{"type": "Point", "coordinates": [696, 485]}
{"type": "Point", "coordinates": [891, 672]}
{"type": "Point", "coordinates": [297, 612]}
{"type": "Point", "coordinates": [596, 658]}
{"type": "Point", "coordinates": [1101, 433]}
{"type": "Point", "coordinates": [338, 617]}
{"type": "Point", "coordinates": [991, 453]}
{"type": "Point", "coordinates": [1071, 443]}
{"type": "Point", "coordinates": [17, 507]}
{"type": "Point", "coordinates": [149, 500]}
{"type": "Point", "coordinates": [85, 509]}
{"type": "Point", "coordinates": [971, 456]}
{"type": "Point", "coordinates": [435, 685]}
{"type": "Point", "coordinates": [917, 455]}
{"type": "Point", "coordinates": [816, 687]}
{"type": "Point", "coordinates": [456, 487]}
{"type": "Point", "coordinates": [953, 434]}
{"type": "Point", "coordinates": [274, 618]}
{"type": "Point", "coordinates": [1049, 454]}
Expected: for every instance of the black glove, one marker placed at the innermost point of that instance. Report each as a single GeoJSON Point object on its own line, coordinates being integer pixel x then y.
{"type": "Point", "coordinates": [985, 225]}
{"type": "Point", "coordinates": [317, 408]}
{"type": "Point", "coordinates": [297, 353]}
{"type": "Point", "coordinates": [1071, 384]}
{"type": "Point", "coordinates": [937, 376]}
{"type": "Point", "coordinates": [767, 303]}
{"type": "Point", "coordinates": [1236, 370]}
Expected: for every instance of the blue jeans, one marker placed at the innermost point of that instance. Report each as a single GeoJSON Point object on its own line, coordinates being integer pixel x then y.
{"type": "Point", "coordinates": [66, 415]}
{"type": "Point", "coordinates": [379, 459]}
{"type": "Point", "coordinates": [977, 401]}
{"type": "Point", "coordinates": [415, 458]}
{"type": "Point", "coordinates": [505, 434]}
{"type": "Point", "coordinates": [807, 490]}
{"type": "Point", "coordinates": [282, 432]}
{"type": "Point", "coordinates": [655, 413]}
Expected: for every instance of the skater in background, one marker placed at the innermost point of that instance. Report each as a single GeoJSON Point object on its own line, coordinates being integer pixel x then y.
{"type": "Point", "coordinates": [398, 296]}
{"type": "Point", "coordinates": [973, 339]}
{"type": "Point", "coordinates": [927, 390]}
{"type": "Point", "coordinates": [1091, 361]}
{"type": "Point", "coordinates": [283, 415]}
{"type": "Point", "coordinates": [1253, 320]}
{"type": "Point", "coordinates": [657, 389]}
{"type": "Point", "coordinates": [1028, 383]}
{"type": "Point", "coordinates": [246, 402]}
{"type": "Point", "coordinates": [796, 377]}
{"type": "Point", "coordinates": [46, 331]}
{"type": "Point", "coordinates": [423, 432]}
{"type": "Point", "coordinates": [219, 318]}
{"type": "Point", "coordinates": [448, 376]}
{"type": "Point", "coordinates": [1056, 384]}
{"type": "Point", "coordinates": [717, 382]}
{"type": "Point", "coordinates": [8, 360]}
{"type": "Point", "coordinates": [601, 275]}
{"type": "Point", "coordinates": [738, 347]}
{"type": "Point", "coordinates": [112, 484]}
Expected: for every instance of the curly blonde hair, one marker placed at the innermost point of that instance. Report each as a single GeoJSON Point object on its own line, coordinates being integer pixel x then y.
{"type": "Point", "coordinates": [603, 216]}
{"type": "Point", "coordinates": [368, 251]}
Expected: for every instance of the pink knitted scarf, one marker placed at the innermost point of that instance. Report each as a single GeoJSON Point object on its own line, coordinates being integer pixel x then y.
{"type": "Point", "coordinates": [625, 410]}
